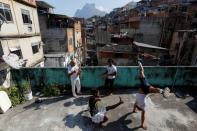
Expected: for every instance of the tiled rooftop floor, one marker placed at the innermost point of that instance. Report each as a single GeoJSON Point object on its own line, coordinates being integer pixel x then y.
{"type": "Point", "coordinates": [67, 114]}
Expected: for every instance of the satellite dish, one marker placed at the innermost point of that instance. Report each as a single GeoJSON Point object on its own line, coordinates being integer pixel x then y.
{"type": "Point", "coordinates": [13, 61]}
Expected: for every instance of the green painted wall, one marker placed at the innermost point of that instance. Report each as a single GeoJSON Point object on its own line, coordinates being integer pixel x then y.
{"type": "Point", "coordinates": [91, 76]}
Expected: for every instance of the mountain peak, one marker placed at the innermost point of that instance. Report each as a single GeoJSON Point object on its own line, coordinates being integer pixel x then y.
{"type": "Point", "coordinates": [88, 11]}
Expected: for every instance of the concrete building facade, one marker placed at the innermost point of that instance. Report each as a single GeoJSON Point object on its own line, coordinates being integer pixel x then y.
{"type": "Point", "coordinates": [61, 35]}
{"type": "Point", "coordinates": [148, 31]}
{"type": "Point", "coordinates": [78, 41]}
{"type": "Point", "coordinates": [183, 48]}
{"type": "Point", "coordinates": [20, 32]}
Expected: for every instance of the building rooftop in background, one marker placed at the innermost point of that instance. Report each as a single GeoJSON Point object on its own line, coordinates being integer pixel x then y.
{"type": "Point", "coordinates": [55, 54]}
{"type": "Point", "coordinates": [186, 30]}
{"type": "Point", "coordinates": [113, 47]}
{"type": "Point", "coordinates": [60, 16]}
{"type": "Point", "coordinates": [44, 4]}
{"type": "Point", "coordinates": [148, 46]}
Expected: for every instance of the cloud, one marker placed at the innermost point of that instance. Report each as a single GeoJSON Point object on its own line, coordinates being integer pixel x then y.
{"type": "Point", "coordinates": [101, 8]}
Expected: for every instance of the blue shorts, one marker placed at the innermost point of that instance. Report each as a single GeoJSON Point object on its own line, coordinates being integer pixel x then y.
{"type": "Point", "coordinates": [144, 85]}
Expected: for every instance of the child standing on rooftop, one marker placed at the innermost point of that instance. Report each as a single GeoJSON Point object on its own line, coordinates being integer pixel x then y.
{"type": "Point", "coordinates": [110, 75]}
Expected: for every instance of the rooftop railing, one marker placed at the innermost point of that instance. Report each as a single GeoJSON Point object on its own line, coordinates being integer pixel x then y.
{"type": "Point", "coordinates": [91, 77]}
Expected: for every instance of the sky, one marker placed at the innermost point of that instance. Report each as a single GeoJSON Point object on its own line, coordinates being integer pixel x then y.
{"type": "Point", "coordinates": [69, 7]}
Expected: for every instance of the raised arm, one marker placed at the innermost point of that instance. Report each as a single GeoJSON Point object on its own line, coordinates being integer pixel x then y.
{"type": "Point", "coordinates": [142, 75]}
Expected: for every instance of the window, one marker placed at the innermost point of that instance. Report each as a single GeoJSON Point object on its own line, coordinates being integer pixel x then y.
{"type": "Point", "coordinates": [70, 41]}
{"type": "Point", "coordinates": [17, 51]}
{"type": "Point", "coordinates": [26, 16]}
{"type": "Point", "coordinates": [35, 49]}
{"type": "Point", "coordinates": [5, 12]}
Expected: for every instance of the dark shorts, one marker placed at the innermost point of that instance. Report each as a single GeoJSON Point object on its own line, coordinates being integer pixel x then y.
{"type": "Point", "coordinates": [109, 83]}
{"type": "Point", "coordinates": [144, 85]}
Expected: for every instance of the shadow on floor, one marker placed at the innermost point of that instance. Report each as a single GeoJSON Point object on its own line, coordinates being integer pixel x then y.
{"type": "Point", "coordinates": [84, 123]}
{"type": "Point", "coordinates": [80, 101]}
{"type": "Point", "coordinates": [192, 104]}
{"type": "Point", "coordinates": [80, 120]}
{"type": "Point", "coordinates": [184, 92]}
{"type": "Point", "coordinates": [121, 124]}
{"type": "Point", "coordinates": [46, 101]}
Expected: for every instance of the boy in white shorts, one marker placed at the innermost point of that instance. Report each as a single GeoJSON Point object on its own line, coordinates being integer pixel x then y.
{"type": "Point", "coordinates": [144, 90]}
{"type": "Point", "coordinates": [97, 110]}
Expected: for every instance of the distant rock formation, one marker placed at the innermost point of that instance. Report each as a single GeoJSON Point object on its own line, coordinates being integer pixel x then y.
{"type": "Point", "coordinates": [88, 11]}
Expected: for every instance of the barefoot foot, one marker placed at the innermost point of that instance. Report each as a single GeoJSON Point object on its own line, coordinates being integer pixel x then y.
{"type": "Point", "coordinates": [144, 127]}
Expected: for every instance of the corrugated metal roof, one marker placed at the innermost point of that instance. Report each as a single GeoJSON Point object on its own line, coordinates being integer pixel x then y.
{"type": "Point", "coordinates": [116, 48]}
{"type": "Point", "coordinates": [43, 4]}
{"type": "Point", "coordinates": [55, 55]}
{"type": "Point", "coordinates": [60, 16]}
{"type": "Point", "coordinates": [186, 30]}
{"type": "Point", "coordinates": [148, 46]}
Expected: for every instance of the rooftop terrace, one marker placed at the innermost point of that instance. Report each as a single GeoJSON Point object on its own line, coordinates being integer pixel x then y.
{"type": "Point", "coordinates": [69, 114]}
{"type": "Point", "coordinates": [64, 113]}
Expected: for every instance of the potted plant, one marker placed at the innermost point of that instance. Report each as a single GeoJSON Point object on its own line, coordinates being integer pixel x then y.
{"type": "Point", "coordinates": [26, 89]}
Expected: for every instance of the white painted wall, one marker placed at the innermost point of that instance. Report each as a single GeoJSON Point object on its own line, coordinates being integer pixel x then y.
{"type": "Point", "coordinates": [17, 27]}
{"type": "Point", "coordinates": [23, 28]}
{"type": "Point", "coordinates": [9, 28]}
{"type": "Point", "coordinates": [26, 48]}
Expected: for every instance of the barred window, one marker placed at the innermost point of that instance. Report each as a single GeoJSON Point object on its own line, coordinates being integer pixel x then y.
{"type": "Point", "coordinates": [26, 16]}
{"type": "Point", "coordinates": [35, 47]}
{"type": "Point", "coordinates": [5, 11]}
